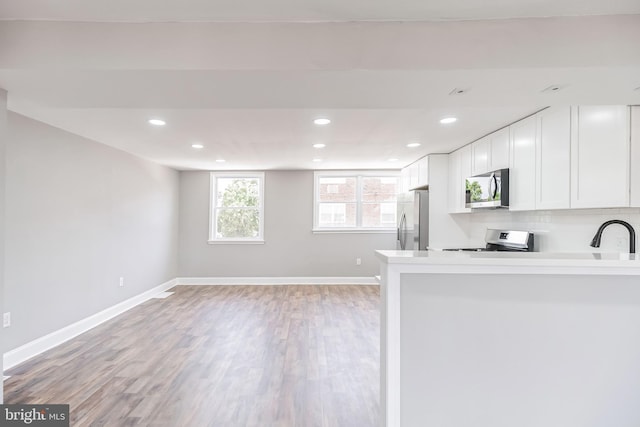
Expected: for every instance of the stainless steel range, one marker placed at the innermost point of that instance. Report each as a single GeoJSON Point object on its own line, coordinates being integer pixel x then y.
{"type": "Point", "coordinates": [504, 240]}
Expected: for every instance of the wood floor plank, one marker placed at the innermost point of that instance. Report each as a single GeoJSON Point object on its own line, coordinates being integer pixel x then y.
{"type": "Point", "coordinates": [220, 356]}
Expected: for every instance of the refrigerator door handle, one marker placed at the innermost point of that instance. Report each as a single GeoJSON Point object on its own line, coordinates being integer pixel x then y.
{"type": "Point", "coordinates": [401, 231]}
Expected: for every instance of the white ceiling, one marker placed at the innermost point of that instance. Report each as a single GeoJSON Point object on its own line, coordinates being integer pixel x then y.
{"type": "Point", "coordinates": [248, 91]}
{"type": "Point", "coordinates": [304, 10]}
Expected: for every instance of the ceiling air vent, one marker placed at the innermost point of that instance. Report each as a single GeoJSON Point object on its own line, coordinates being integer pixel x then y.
{"type": "Point", "coordinates": [459, 91]}
{"type": "Point", "coordinates": [553, 88]}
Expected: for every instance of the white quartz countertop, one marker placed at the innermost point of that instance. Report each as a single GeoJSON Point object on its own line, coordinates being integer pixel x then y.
{"type": "Point", "coordinates": [513, 259]}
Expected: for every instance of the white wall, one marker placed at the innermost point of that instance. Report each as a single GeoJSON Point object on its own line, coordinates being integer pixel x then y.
{"type": "Point", "coordinates": [555, 231]}
{"type": "Point", "coordinates": [3, 140]}
{"type": "Point", "coordinates": [290, 248]}
{"type": "Point", "coordinates": [80, 215]}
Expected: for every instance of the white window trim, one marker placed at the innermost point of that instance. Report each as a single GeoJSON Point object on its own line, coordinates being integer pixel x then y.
{"type": "Point", "coordinates": [358, 175]}
{"type": "Point", "coordinates": [212, 209]}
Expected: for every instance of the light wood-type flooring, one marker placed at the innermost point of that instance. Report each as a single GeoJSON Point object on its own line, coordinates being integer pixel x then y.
{"type": "Point", "coordinates": [220, 356]}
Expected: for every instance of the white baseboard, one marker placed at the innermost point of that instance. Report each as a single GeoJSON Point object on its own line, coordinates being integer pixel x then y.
{"type": "Point", "coordinates": [276, 281]}
{"type": "Point", "coordinates": [42, 344]}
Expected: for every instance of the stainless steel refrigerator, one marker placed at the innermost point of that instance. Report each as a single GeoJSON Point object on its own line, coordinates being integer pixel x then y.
{"type": "Point", "coordinates": [413, 220]}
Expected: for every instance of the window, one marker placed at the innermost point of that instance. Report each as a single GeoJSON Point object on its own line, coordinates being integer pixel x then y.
{"type": "Point", "coordinates": [237, 207]}
{"type": "Point", "coordinates": [355, 201]}
{"type": "Point", "coordinates": [333, 214]}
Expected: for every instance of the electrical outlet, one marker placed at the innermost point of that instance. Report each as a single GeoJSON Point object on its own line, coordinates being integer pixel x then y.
{"type": "Point", "coordinates": [6, 320]}
{"type": "Point", "coordinates": [121, 281]}
{"type": "Point", "coordinates": [358, 261]}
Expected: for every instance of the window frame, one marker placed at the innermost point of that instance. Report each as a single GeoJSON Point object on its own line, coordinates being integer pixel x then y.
{"type": "Point", "coordinates": [213, 195]}
{"type": "Point", "coordinates": [359, 175]}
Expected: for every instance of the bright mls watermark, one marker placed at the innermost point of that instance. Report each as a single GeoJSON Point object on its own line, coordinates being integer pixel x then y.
{"type": "Point", "coordinates": [34, 415]}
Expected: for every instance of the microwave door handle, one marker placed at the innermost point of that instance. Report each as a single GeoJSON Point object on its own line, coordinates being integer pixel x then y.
{"type": "Point", "coordinates": [495, 188]}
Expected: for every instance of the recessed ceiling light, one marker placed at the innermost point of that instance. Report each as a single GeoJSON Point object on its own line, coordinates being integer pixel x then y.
{"type": "Point", "coordinates": [316, 160]}
{"type": "Point", "coordinates": [198, 146]}
{"type": "Point", "coordinates": [393, 160]}
{"type": "Point", "coordinates": [220, 160]}
{"type": "Point", "coordinates": [448, 120]}
{"type": "Point", "coordinates": [413, 144]}
{"type": "Point", "coordinates": [322, 121]}
{"type": "Point", "coordinates": [319, 145]}
{"type": "Point", "coordinates": [157, 122]}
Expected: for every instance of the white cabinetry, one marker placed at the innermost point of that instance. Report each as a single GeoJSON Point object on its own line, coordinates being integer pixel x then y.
{"type": "Point", "coordinates": [522, 166]}
{"type": "Point", "coordinates": [423, 171]}
{"type": "Point", "coordinates": [553, 158]}
{"type": "Point", "coordinates": [499, 158]}
{"type": "Point", "coordinates": [413, 175]}
{"type": "Point", "coordinates": [600, 156]}
{"type": "Point", "coordinates": [416, 175]}
{"type": "Point", "coordinates": [459, 171]}
{"type": "Point", "coordinates": [490, 152]}
{"type": "Point", "coordinates": [635, 156]}
{"type": "Point", "coordinates": [560, 158]}
{"type": "Point", "coordinates": [405, 180]}
{"type": "Point", "coordinates": [480, 156]}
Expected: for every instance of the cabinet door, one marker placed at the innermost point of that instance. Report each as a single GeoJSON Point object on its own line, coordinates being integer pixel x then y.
{"type": "Point", "coordinates": [499, 150]}
{"type": "Point", "coordinates": [413, 175]}
{"type": "Point", "coordinates": [405, 180]}
{"type": "Point", "coordinates": [522, 166]}
{"type": "Point", "coordinates": [553, 159]}
{"type": "Point", "coordinates": [600, 157]}
{"type": "Point", "coordinates": [454, 180]}
{"type": "Point", "coordinates": [635, 156]}
{"type": "Point", "coordinates": [423, 171]}
{"type": "Point", "coordinates": [464, 173]}
{"type": "Point", "coordinates": [459, 170]}
{"type": "Point", "coordinates": [480, 152]}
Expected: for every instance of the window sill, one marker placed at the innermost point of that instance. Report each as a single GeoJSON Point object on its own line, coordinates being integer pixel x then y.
{"type": "Point", "coordinates": [354, 231]}
{"type": "Point", "coordinates": [235, 242]}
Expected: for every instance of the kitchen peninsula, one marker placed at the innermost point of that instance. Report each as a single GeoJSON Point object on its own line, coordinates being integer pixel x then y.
{"type": "Point", "coordinates": [497, 339]}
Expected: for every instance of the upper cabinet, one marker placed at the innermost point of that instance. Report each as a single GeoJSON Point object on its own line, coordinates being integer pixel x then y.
{"type": "Point", "coordinates": [490, 152]}
{"type": "Point", "coordinates": [600, 149]}
{"type": "Point", "coordinates": [416, 175]}
{"type": "Point", "coordinates": [553, 158]}
{"type": "Point", "coordinates": [423, 172]}
{"type": "Point", "coordinates": [635, 156]}
{"type": "Point", "coordinates": [405, 179]}
{"type": "Point", "coordinates": [559, 158]}
{"type": "Point", "coordinates": [539, 175]}
{"type": "Point", "coordinates": [459, 170]}
{"type": "Point", "coordinates": [500, 149]}
{"type": "Point", "coordinates": [522, 166]}
{"type": "Point", "coordinates": [480, 156]}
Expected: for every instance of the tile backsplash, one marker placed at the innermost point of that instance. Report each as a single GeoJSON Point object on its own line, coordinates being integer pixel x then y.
{"type": "Point", "coordinates": [557, 230]}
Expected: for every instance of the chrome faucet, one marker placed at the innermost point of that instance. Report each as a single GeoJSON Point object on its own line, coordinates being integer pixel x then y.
{"type": "Point", "coordinates": [632, 234]}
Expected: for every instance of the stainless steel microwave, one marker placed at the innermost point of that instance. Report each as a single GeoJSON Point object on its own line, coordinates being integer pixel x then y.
{"type": "Point", "coordinates": [489, 190]}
